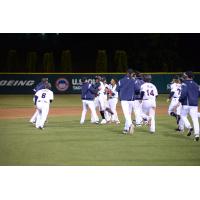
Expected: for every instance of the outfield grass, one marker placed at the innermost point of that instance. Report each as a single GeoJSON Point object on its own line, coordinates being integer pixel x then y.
{"type": "Point", "coordinates": [65, 142]}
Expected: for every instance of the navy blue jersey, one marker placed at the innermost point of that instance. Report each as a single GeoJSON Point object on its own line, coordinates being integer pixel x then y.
{"type": "Point", "coordinates": [138, 83]}
{"type": "Point", "coordinates": [88, 92]}
{"type": "Point", "coordinates": [189, 93]}
{"type": "Point", "coordinates": [126, 89]}
{"type": "Point", "coordinates": [39, 86]}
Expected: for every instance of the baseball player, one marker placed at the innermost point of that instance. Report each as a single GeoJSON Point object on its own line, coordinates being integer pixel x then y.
{"type": "Point", "coordinates": [43, 98]}
{"type": "Point", "coordinates": [148, 96]}
{"type": "Point", "coordinates": [175, 92]}
{"type": "Point", "coordinates": [102, 99]}
{"type": "Point", "coordinates": [87, 95]}
{"type": "Point", "coordinates": [190, 93]}
{"type": "Point", "coordinates": [108, 110]}
{"type": "Point", "coordinates": [138, 105]}
{"type": "Point", "coordinates": [126, 91]}
{"type": "Point", "coordinates": [112, 100]}
{"type": "Point", "coordinates": [38, 87]}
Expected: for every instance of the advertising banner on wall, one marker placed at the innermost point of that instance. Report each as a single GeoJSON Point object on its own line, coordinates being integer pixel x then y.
{"type": "Point", "coordinates": [68, 83]}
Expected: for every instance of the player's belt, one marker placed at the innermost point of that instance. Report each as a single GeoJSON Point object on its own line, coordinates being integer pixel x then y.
{"type": "Point", "coordinates": [42, 101]}
{"type": "Point", "coordinates": [175, 97]}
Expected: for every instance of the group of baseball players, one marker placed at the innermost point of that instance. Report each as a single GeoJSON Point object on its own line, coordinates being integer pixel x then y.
{"type": "Point", "coordinates": [137, 95]}
{"type": "Point", "coordinates": [184, 96]}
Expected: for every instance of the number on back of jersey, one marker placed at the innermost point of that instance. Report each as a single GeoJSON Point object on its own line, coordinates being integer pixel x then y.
{"type": "Point", "coordinates": [150, 92]}
{"type": "Point", "coordinates": [43, 95]}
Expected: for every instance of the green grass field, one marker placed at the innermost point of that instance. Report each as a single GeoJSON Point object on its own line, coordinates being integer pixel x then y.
{"type": "Point", "coordinates": [65, 142]}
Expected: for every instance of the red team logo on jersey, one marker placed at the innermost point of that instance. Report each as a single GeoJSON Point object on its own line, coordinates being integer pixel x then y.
{"type": "Point", "coordinates": [62, 84]}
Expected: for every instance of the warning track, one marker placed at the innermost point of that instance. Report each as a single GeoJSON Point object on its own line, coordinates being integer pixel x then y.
{"type": "Point", "coordinates": [13, 113]}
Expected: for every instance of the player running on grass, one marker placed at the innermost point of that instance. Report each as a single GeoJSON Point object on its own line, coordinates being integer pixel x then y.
{"type": "Point", "coordinates": [88, 93]}
{"type": "Point", "coordinates": [175, 92]}
{"type": "Point", "coordinates": [126, 91]}
{"type": "Point", "coordinates": [38, 87]}
{"type": "Point", "coordinates": [190, 92]}
{"type": "Point", "coordinates": [112, 100]}
{"type": "Point", "coordinates": [43, 98]}
{"type": "Point", "coordinates": [148, 96]}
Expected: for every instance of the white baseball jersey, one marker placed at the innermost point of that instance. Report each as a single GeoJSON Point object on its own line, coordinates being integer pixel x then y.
{"type": "Point", "coordinates": [150, 91]}
{"type": "Point", "coordinates": [113, 89]}
{"type": "Point", "coordinates": [44, 95]}
{"type": "Point", "coordinates": [176, 88]}
{"type": "Point", "coordinates": [102, 90]}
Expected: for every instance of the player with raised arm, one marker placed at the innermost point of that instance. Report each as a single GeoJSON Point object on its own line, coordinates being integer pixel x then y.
{"type": "Point", "coordinates": [148, 96]}
{"type": "Point", "coordinates": [126, 91]}
{"type": "Point", "coordinates": [43, 98]}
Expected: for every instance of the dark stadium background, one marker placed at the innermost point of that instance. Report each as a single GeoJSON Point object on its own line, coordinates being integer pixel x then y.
{"type": "Point", "coordinates": [145, 52]}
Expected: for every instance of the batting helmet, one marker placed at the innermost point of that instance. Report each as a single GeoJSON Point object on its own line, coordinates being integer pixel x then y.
{"type": "Point", "coordinates": [147, 78]}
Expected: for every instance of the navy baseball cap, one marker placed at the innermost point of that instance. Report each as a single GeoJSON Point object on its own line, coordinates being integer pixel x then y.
{"type": "Point", "coordinates": [130, 71]}
{"type": "Point", "coordinates": [189, 74]}
{"type": "Point", "coordinates": [84, 79]}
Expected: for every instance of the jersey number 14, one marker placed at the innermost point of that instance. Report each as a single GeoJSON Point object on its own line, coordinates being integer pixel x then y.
{"type": "Point", "coordinates": [150, 93]}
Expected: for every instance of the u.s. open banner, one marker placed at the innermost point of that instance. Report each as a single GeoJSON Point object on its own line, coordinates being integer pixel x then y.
{"type": "Point", "coordinates": [62, 83]}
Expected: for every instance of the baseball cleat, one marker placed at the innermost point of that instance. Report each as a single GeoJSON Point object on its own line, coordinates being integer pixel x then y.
{"type": "Point", "coordinates": [196, 139]}
{"type": "Point", "coordinates": [97, 122]}
{"type": "Point", "coordinates": [190, 131]}
{"type": "Point", "coordinates": [125, 132]}
{"type": "Point", "coordinates": [103, 121]}
{"type": "Point", "coordinates": [81, 122]}
{"type": "Point", "coordinates": [32, 122]}
{"type": "Point", "coordinates": [117, 122]}
{"type": "Point", "coordinates": [138, 125]}
{"type": "Point", "coordinates": [152, 132]}
{"type": "Point", "coordinates": [41, 128]}
{"type": "Point", "coordinates": [131, 129]}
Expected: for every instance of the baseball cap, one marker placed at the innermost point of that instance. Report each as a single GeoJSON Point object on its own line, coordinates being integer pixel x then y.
{"type": "Point", "coordinates": [130, 71]}
{"type": "Point", "coordinates": [83, 79]}
{"type": "Point", "coordinates": [189, 74]}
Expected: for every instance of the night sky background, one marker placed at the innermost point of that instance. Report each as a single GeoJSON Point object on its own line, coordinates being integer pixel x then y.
{"type": "Point", "coordinates": [146, 52]}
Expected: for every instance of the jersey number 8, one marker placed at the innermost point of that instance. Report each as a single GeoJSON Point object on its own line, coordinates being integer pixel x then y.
{"type": "Point", "coordinates": [43, 95]}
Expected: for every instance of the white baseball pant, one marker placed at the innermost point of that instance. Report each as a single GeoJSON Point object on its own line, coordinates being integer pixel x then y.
{"type": "Point", "coordinates": [90, 104]}
{"type": "Point", "coordinates": [138, 112]}
{"type": "Point", "coordinates": [112, 102]}
{"type": "Point", "coordinates": [193, 111]}
{"type": "Point", "coordinates": [148, 109]}
{"type": "Point", "coordinates": [172, 106]}
{"type": "Point", "coordinates": [127, 108]}
{"type": "Point", "coordinates": [43, 110]}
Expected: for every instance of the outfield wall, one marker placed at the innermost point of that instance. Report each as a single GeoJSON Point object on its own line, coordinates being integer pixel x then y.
{"type": "Point", "coordinates": [66, 83]}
